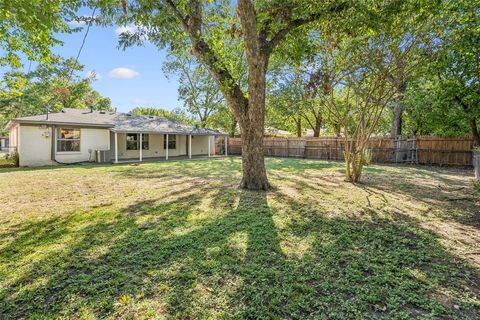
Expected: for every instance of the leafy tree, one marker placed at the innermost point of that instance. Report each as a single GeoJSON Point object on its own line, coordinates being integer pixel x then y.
{"type": "Point", "coordinates": [176, 114]}
{"type": "Point", "coordinates": [197, 89]}
{"type": "Point", "coordinates": [287, 101]}
{"type": "Point", "coordinates": [430, 110]}
{"type": "Point", "coordinates": [54, 86]}
{"type": "Point", "coordinates": [30, 27]}
{"type": "Point", "coordinates": [458, 61]}
{"type": "Point", "coordinates": [358, 101]}
{"type": "Point", "coordinates": [443, 95]}
{"type": "Point", "coordinates": [406, 43]}
{"type": "Point", "coordinates": [225, 120]}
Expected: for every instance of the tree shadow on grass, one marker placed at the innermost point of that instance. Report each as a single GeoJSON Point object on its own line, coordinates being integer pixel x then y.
{"type": "Point", "coordinates": [454, 195]}
{"type": "Point", "coordinates": [243, 261]}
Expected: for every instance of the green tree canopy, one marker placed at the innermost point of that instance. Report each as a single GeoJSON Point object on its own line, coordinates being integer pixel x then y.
{"type": "Point", "coordinates": [54, 86]}
{"type": "Point", "coordinates": [30, 28]}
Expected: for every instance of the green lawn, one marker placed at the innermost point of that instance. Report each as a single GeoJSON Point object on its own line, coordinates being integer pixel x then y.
{"type": "Point", "coordinates": [179, 240]}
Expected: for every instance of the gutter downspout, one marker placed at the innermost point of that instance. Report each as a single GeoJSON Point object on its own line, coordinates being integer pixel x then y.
{"type": "Point", "coordinates": [52, 145]}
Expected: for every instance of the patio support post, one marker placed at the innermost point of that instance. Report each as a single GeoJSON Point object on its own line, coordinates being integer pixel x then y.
{"type": "Point", "coordinates": [141, 151]}
{"type": "Point", "coordinates": [190, 146]}
{"type": "Point", "coordinates": [166, 148]}
{"type": "Point", "coordinates": [226, 145]}
{"type": "Point", "coordinates": [116, 147]}
{"type": "Point", "coordinates": [209, 143]}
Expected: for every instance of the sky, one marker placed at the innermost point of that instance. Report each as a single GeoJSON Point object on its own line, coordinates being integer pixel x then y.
{"type": "Point", "coordinates": [130, 78]}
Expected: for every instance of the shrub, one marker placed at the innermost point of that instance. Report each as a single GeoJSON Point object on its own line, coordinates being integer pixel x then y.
{"type": "Point", "coordinates": [15, 158]}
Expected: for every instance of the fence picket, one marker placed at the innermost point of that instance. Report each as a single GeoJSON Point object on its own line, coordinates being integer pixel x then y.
{"type": "Point", "coordinates": [422, 149]}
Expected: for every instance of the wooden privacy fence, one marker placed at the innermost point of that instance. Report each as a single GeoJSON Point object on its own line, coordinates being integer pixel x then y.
{"type": "Point", "coordinates": [420, 150]}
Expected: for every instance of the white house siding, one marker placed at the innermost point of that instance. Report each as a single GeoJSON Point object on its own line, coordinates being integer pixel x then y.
{"type": "Point", "coordinates": [34, 145]}
{"type": "Point", "coordinates": [13, 137]}
{"type": "Point", "coordinates": [91, 139]}
{"type": "Point", "coordinates": [200, 145]}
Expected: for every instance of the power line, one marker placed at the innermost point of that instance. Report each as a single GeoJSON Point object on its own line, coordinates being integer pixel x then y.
{"type": "Point", "coordinates": [83, 43]}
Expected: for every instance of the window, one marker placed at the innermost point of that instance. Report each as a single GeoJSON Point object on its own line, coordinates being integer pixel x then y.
{"type": "Point", "coordinates": [145, 143]}
{"type": "Point", "coordinates": [133, 141]}
{"type": "Point", "coordinates": [68, 140]}
{"type": "Point", "coordinates": [172, 141]}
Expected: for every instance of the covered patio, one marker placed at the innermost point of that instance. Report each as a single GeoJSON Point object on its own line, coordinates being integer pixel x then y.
{"type": "Point", "coordinates": [154, 146]}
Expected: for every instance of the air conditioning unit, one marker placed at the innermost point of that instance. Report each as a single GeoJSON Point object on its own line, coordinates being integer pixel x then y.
{"type": "Point", "coordinates": [101, 156]}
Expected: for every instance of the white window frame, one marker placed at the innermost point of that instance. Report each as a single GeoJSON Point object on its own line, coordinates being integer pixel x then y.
{"type": "Point", "coordinates": [171, 138]}
{"type": "Point", "coordinates": [57, 139]}
{"type": "Point", "coordinates": [145, 138]}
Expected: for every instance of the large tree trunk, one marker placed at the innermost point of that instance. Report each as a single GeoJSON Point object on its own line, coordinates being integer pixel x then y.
{"type": "Point", "coordinates": [252, 123]}
{"type": "Point", "coordinates": [475, 133]}
{"type": "Point", "coordinates": [397, 119]}
{"type": "Point", "coordinates": [252, 118]}
{"type": "Point", "coordinates": [254, 173]}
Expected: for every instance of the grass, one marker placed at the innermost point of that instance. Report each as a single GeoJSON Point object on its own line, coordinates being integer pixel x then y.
{"type": "Point", "coordinates": [179, 240]}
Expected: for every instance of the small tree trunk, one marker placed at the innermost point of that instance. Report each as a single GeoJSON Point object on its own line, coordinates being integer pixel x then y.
{"type": "Point", "coordinates": [318, 126]}
{"type": "Point", "coordinates": [397, 119]}
{"type": "Point", "coordinates": [473, 120]}
{"type": "Point", "coordinates": [298, 123]}
{"type": "Point", "coordinates": [475, 133]}
{"type": "Point", "coordinates": [337, 130]}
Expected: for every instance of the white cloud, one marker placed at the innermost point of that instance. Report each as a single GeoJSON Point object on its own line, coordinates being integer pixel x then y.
{"type": "Point", "coordinates": [125, 29]}
{"type": "Point", "coordinates": [76, 24]}
{"type": "Point", "coordinates": [93, 75]}
{"type": "Point", "coordinates": [123, 73]}
{"type": "Point", "coordinates": [82, 21]}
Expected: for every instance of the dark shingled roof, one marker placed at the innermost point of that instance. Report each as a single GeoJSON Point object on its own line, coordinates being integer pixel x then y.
{"type": "Point", "coordinates": [117, 122]}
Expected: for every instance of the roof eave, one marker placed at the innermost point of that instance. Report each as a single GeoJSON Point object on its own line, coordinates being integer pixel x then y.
{"type": "Point", "coordinates": [9, 125]}
{"type": "Point", "coordinates": [163, 132]}
{"type": "Point", "coordinates": [79, 124]}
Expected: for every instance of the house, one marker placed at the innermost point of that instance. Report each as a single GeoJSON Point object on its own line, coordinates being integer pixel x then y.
{"type": "Point", "coordinates": [74, 135]}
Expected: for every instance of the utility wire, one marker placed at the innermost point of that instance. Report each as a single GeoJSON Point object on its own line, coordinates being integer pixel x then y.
{"type": "Point", "coordinates": [83, 43]}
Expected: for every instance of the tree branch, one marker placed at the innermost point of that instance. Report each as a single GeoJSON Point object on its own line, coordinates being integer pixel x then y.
{"type": "Point", "coordinates": [246, 12]}
{"type": "Point", "coordinates": [183, 20]}
{"type": "Point", "coordinates": [296, 23]}
{"type": "Point", "coordinates": [192, 27]}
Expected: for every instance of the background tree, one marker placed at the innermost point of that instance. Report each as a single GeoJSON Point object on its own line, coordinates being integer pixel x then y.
{"type": "Point", "coordinates": [406, 44]}
{"type": "Point", "coordinates": [430, 109]}
{"type": "Point", "coordinates": [457, 64]}
{"type": "Point", "coordinates": [54, 86]}
{"type": "Point", "coordinates": [199, 92]}
{"type": "Point", "coordinates": [31, 27]}
{"type": "Point", "coordinates": [287, 101]}
{"type": "Point", "coordinates": [176, 114]}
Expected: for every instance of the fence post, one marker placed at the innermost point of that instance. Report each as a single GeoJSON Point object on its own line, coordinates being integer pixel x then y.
{"type": "Point", "coordinates": [288, 148]}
